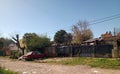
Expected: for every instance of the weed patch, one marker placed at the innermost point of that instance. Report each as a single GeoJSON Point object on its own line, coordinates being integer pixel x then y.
{"type": "Point", "coordinates": [93, 62]}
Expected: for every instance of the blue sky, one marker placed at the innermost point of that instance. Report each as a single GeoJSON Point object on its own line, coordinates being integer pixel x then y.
{"type": "Point", "coordinates": [49, 16]}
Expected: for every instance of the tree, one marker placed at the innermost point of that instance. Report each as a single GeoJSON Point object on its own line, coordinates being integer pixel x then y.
{"type": "Point", "coordinates": [81, 32]}
{"type": "Point", "coordinates": [68, 38]}
{"type": "Point", "coordinates": [4, 42]}
{"type": "Point", "coordinates": [27, 39]}
{"type": "Point", "coordinates": [35, 42]}
{"type": "Point", "coordinates": [62, 37]}
{"type": "Point", "coordinates": [4, 45]}
{"type": "Point", "coordinates": [16, 40]}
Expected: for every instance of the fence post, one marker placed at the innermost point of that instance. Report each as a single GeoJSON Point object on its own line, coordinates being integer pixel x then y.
{"type": "Point", "coordinates": [115, 50]}
{"type": "Point", "coordinates": [70, 47]}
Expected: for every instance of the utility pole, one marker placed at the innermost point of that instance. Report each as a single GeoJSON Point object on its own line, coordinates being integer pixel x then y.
{"type": "Point", "coordinates": [114, 32]}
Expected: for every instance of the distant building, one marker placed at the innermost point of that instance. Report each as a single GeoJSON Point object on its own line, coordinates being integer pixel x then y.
{"type": "Point", "coordinates": [106, 38]}
{"type": "Point", "coordinates": [109, 38]}
{"type": "Point", "coordinates": [106, 35]}
{"type": "Point", "coordinates": [94, 41]}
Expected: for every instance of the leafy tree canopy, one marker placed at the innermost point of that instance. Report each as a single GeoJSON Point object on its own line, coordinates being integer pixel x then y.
{"type": "Point", "coordinates": [62, 37]}
{"type": "Point", "coordinates": [5, 41]}
{"type": "Point", "coordinates": [35, 42]}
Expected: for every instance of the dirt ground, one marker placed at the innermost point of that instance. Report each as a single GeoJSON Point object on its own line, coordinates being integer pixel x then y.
{"type": "Point", "coordinates": [43, 68]}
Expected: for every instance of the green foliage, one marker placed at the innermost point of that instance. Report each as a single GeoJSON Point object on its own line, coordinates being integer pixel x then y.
{"type": "Point", "coordinates": [93, 62]}
{"type": "Point", "coordinates": [35, 42]}
{"type": "Point", "coordinates": [4, 42]}
{"type": "Point", "coordinates": [3, 71]}
{"type": "Point", "coordinates": [62, 37]}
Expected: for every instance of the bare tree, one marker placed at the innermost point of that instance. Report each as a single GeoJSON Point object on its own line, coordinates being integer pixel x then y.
{"type": "Point", "coordinates": [16, 39]}
{"type": "Point", "coordinates": [81, 32]}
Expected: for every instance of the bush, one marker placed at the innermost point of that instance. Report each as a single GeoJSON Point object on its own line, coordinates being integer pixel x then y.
{"type": "Point", "coordinates": [15, 54]}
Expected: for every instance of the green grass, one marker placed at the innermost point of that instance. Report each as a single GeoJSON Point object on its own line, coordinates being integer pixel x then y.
{"type": "Point", "coordinates": [3, 71]}
{"type": "Point", "coordinates": [93, 62]}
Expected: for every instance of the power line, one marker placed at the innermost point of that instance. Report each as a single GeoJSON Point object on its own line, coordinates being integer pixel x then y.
{"type": "Point", "coordinates": [105, 20]}
{"type": "Point", "coordinates": [101, 20]}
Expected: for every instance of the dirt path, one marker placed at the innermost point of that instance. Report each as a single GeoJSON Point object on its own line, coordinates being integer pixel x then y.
{"type": "Point", "coordinates": [43, 68]}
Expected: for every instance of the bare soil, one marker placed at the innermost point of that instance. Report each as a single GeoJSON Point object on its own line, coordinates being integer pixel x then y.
{"type": "Point", "coordinates": [24, 67]}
